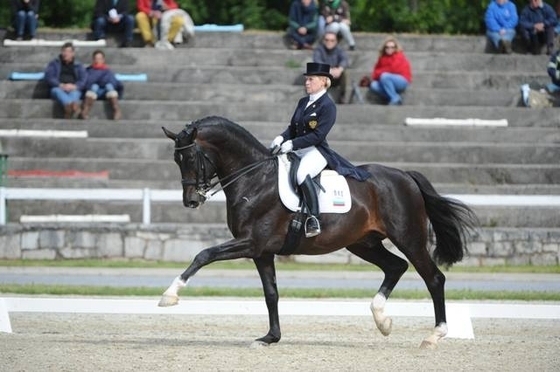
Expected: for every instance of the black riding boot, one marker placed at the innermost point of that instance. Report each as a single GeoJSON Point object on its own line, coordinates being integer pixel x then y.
{"type": "Point", "coordinates": [312, 227]}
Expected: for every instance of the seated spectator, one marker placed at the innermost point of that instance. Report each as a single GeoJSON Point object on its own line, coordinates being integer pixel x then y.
{"type": "Point", "coordinates": [168, 24]}
{"type": "Point", "coordinates": [335, 17]}
{"type": "Point", "coordinates": [553, 70]}
{"type": "Point", "coordinates": [149, 20]}
{"type": "Point", "coordinates": [66, 78]}
{"type": "Point", "coordinates": [537, 22]}
{"type": "Point", "coordinates": [101, 83]}
{"type": "Point", "coordinates": [25, 15]}
{"type": "Point", "coordinates": [302, 24]}
{"type": "Point", "coordinates": [329, 53]}
{"type": "Point", "coordinates": [501, 20]}
{"type": "Point", "coordinates": [391, 73]}
{"type": "Point", "coordinates": [112, 16]}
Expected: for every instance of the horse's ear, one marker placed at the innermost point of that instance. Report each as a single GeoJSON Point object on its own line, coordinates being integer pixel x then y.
{"type": "Point", "coordinates": [169, 134]}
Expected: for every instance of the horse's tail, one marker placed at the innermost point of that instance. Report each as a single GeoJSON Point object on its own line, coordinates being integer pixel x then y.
{"type": "Point", "coordinates": [451, 220]}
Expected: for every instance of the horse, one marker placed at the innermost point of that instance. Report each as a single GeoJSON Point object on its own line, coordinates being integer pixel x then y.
{"type": "Point", "coordinates": [399, 205]}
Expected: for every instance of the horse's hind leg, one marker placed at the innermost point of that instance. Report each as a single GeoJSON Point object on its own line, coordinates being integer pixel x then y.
{"type": "Point", "coordinates": [393, 267]}
{"type": "Point", "coordinates": [419, 257]}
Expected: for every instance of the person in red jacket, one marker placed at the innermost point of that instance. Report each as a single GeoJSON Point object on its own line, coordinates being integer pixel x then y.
{"type": "Point", "coordinates": [391, 74]}
{"type": "Point", "coordinates": [149, 17]}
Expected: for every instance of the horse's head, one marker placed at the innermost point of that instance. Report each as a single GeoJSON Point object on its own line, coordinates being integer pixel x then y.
{"type": "Point", "coordinates": [197, 169]}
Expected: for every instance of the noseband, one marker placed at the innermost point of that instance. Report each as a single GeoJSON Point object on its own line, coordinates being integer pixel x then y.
{"type": "Point", "coordinates": [203, 182]}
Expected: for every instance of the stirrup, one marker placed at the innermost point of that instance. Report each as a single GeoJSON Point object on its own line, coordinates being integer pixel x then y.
{"type": "Point", "coordinates": [313, 232]}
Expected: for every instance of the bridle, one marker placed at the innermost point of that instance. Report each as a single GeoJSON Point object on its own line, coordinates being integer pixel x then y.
{"type": "Point", "coordinates": [203, 182]}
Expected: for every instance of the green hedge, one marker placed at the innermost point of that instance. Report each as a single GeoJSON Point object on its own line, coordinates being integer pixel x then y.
{"type": "Point", "coordinates": [419, 16]}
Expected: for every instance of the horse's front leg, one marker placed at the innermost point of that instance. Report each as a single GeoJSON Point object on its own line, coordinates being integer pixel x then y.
{"type": "Point", "coordinates": [235, 248]}
{"type": "Point", "coordinates": [267, 272]}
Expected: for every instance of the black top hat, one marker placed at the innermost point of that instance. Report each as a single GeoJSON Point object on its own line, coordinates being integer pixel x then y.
{"type": "Point", "coordinates": [318, 69]}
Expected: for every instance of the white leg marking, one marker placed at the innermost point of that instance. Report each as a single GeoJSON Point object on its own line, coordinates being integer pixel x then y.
{"type": "Point", "coordinates": [431, 341]}
{"type": "Point", "coordinates": [171, 296]}
{"type": "Point", "coordinates": [383, 323]}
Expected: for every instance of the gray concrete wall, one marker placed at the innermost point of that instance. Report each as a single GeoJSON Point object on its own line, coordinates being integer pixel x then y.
{"type": "Point", "coordinates": [180, 243]}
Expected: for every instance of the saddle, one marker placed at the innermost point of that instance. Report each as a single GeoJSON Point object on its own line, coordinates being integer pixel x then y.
{"type": "Point", "coordinates": [333, 194]}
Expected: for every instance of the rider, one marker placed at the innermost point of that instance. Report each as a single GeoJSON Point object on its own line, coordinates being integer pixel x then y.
{"type": "Point", "coordinates": [306, 135]}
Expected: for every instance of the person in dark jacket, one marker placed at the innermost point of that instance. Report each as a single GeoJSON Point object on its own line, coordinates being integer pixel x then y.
{"type": "Point", "coordinates": [302, 23]}
{"type": "Point", "coordinates": [553, 70]}
{"type": "Point", "coordinates": [66, 78]}
{"type": "Point", "coordinates": [536, 25]}
{"type": "Point", "coordinates": [306, 135]}
{"type": "Point", "coordinates": [112, 16]}
{"type": "Point", "coordinates": [101, 83]}
{"type": "Point", "coordinates": [25, 16]}
{"type": "Point", "coordinates": [328, 52]}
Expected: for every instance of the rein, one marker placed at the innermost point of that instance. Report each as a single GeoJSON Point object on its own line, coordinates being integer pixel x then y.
{"type": "Point", "coordinates": [229, 179]}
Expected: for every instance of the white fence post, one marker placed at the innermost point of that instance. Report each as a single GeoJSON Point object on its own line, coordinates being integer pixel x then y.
{"type": "Point", "coordinates": [2, 205]}
{"type": "Point", "coordinates": [146, 207]}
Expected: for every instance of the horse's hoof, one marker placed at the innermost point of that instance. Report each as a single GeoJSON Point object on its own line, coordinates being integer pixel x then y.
{"type": "Point", "coordinates": [386, 327]}
{"type": "Point", "coordinates": [167, 300]}
{"type": "Point", "coordinates": [257, 344]}
{"type": "Point", "coordinates": [428, 345]}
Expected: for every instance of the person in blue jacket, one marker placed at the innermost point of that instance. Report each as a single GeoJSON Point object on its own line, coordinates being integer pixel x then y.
{"type": "Point", "coordinates": [101, 83]}
{"type": "Point", "coordinates": [302, 21]}
{"type": "Point", "coordinates": [312, 120]}
{"type": "Point", "coordinates": [501, 20]}
{"type": "Point", "coordinates": [537, 22]}
{"type": "Point", "coordinates": [66, 78]}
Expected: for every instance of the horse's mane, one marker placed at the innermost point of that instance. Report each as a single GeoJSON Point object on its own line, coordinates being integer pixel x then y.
{"type": "Point", "coordinates": [227, 130]}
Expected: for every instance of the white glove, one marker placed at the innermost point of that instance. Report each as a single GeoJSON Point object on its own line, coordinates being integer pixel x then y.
{"type": "Point", "coordinates": [286, 147]}
{"type": "Point", "coordinates": [277, 142]}
{"type": "Point", "coordinates": [275, 145]}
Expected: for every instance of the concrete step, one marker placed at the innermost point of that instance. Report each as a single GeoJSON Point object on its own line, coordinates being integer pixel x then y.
{"type": "Point", "coordinates": [263, 58]}
{"type": "Point", "coordinates": [250, 39]}
{"type": "Point", "coordinates": [437, 172]}
{"type": "Point", "coordinates": [165, 111]}
{"type": "Point", "coordinates": [216, 213]}
{"type": "Point", "coordinates": [204, 74]}
{"type": "Point", "coordinates": [363, 151]}
{"type": "Point", "coordinates": [266, 131]}
{"type": "Point", "coordinates": [224, 93]}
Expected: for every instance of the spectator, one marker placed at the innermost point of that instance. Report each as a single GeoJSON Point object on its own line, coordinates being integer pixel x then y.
{"type": "Point", "coordinates": [328, 52]}
{"type": "Point", "coordinates": [335, 17]}
{"type": "Point", "coordinates": [25, 15]}
{"type": "Point", "coordinates": [149, 17]}
{"type": "Point", "coordinates": [391, 74]}
{"type": "Point", "coordinates": [302, 24]}
{"type": "Point", "coordinates": [112, 16]}
{"type": "Point", "coordinates": [66, 78]}
{"type": "Point", "coordinates": [101, 83]}
{"type": "Point", "coordinates": [501, 20]}
{"type": "Point", "coordinates": [553, 69]}
{"type": "Point", "coordinates": [537, 22]}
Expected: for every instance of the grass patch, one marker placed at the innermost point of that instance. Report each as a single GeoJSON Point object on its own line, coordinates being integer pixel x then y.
{"type": "Point", "coordinates": [60, 290]}
{"type": "Point", "coordinates": [244, 264]}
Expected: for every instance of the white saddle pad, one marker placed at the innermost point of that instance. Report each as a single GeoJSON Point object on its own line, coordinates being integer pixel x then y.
{"type": "Point", "coordinates": [335, 199]}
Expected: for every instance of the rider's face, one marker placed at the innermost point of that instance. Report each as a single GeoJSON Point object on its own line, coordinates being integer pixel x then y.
{"type": "Point", "coordinates": [314, 84]}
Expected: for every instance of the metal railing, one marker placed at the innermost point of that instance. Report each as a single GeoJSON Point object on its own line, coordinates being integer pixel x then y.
{"type": "Point", "coordinates": [146, 196]}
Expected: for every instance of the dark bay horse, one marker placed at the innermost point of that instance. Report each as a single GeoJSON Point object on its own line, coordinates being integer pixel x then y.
{"type": "Point", "coordinates": [391, 204]}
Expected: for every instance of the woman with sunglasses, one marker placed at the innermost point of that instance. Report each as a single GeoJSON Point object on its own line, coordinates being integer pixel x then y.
{"type": "Point", "coordinates": [391, 74]}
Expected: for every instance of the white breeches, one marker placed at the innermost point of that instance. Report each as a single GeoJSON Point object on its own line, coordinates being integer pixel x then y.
{"type": "Point", "coordinates": [312, 163]}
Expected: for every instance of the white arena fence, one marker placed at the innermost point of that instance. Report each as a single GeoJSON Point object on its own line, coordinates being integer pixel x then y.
{"type": "Point", "coordinates": [147, 196]}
